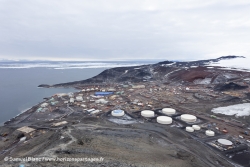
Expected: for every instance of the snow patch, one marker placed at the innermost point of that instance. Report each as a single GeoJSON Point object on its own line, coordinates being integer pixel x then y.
{"type": "Point", "coordinates": [168, 64]}
{"type": "Point", "coordinates": [237, 110]}
{"type": "Point", "coordinates": [239, 63]}
{"type": "Point", "coordinates": [203, 81]}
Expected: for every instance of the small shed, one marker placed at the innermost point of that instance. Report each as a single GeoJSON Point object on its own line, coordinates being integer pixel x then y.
{"type": "Point", "coordinates": [60, 123]}
{"type": "Point", "coordinates": [26, 129]}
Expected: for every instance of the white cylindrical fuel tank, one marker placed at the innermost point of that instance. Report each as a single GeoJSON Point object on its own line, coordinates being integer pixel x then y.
{"type": "Point", "coordinates": [196, 127]}
{"type": "Point", "coordinates": [147, 113]}
{"type": "Point", "coordinates": [189, 129]}
{"type": "Point", "coordinates": [117, 113]}
{"type": "Point", "coordinates": [209, 133]}
{"type": "Point", "coordinates": [225, 142]}
{"type": "Point", "coordinates": [164, 120]}
{"type": "Point", "coordinates": [168, 111]}
{"type": "Point", "coordinates": [188, 118]}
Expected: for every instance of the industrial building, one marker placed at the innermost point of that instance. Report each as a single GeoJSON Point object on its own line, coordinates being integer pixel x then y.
{"type": "Point", "coordinates": [103, 93]}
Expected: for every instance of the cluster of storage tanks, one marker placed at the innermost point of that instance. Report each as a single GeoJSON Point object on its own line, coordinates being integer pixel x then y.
{"type": "Point", "coordinates": [160, 119]}
{"type": "Point", "coordinates": [197, 128]}
{"type": "Point", "coordinates": [188, 118]}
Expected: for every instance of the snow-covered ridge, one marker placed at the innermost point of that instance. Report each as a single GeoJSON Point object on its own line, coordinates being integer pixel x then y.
{"type": "Point", "coordinates": [240, 63]}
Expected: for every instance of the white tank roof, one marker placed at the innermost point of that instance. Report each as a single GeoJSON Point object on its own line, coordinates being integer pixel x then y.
{"type": "Point", "coordinates": [196, 127]}
{"type": "Point", "coordinates": [188, 118]}
{"type": "Point", "coordinates": [164, 120]}
{"type": "Point", "coordinates": [225, 142]}
{"type": "Point", "coordinates": [209, 133]}
{"type": "Point", "coordinates": [117, 113]}
{"type": "Point", "coordinates": [147, 113]}
{"type": "Point", "coordinates": [189, 129]}
{"type": "Point", "coordinates": [168, 111]}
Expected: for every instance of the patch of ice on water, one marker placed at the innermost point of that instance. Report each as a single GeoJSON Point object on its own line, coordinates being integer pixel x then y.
{"type": "Point", "coordinates": [67, 65]}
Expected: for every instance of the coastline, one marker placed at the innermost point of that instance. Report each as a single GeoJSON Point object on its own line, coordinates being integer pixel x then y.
{"type": "Point", "coordinates": [19, 87]}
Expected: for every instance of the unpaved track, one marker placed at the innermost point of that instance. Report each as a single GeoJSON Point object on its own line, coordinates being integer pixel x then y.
{"type": "Point", "coordinates": [51, 152]}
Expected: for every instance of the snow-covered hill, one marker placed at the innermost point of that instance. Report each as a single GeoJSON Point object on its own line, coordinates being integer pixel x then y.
{"type": "Point", "coordinates": [240, 63]}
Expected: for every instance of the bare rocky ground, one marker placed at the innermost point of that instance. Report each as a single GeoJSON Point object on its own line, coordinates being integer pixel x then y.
{"type": "Point", "coordinates": [141, 144]}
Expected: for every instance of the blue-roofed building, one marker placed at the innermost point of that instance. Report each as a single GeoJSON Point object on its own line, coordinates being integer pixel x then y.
{"type": "Point", "coordinates": [103, 93]}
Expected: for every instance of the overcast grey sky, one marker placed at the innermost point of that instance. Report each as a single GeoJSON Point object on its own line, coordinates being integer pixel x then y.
{"type": "Point", "coordinates": [129, 29]}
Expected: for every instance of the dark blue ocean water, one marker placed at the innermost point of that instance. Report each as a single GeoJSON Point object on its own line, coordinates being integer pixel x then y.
{"type": "Point", "coordinates": [19, 91]}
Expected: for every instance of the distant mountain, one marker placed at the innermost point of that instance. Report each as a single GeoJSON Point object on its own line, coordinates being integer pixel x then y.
{"type": "Point", "coordinates": [167, 72]}
{"type": "Point", "coordinates": [201, 62]}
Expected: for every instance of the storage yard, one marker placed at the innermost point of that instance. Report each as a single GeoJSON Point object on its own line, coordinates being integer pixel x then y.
{"type": "Point", "coordinates": [124, 106]}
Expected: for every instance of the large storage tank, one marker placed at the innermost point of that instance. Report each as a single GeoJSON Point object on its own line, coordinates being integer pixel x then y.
{"type": "Point", "coordinates": [147, 113]}
{"type": "Point", "coordinates": [196, 127]}
{"type": "Point", "coordinates": [188, 118]}
{"type": "Point", "coordinates": [117, 113]}
{"type": "Point", "coordinates": [209, 133]}
{"type": "Point", "coordinates": [225, 142]}
{"type": "Point", "coordinates": [189, 129]}
{"type": "Point", "coordinates": [164, 120]}
{"type": "Point", "coordinates": [168, 111]}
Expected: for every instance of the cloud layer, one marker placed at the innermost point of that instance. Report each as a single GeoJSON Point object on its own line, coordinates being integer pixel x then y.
{"type": "Point", "coordinates": [111, 29]}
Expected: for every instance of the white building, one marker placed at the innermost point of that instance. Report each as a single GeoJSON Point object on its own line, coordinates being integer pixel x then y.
{"type": "Point", "coordinates": [138, 86]}
{"type": "Point", "coordinates": [71, 100]}
{"type": "Point", "coordinates": [79, 98]}
{"type": "Point", "coordinates": [44, 105]}
{"type": "Point", "coordinates": [101, 101]}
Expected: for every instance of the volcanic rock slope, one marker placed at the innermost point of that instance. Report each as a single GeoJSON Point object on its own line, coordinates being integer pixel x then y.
{"type": "Point", "coordinates": [168, 72]}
